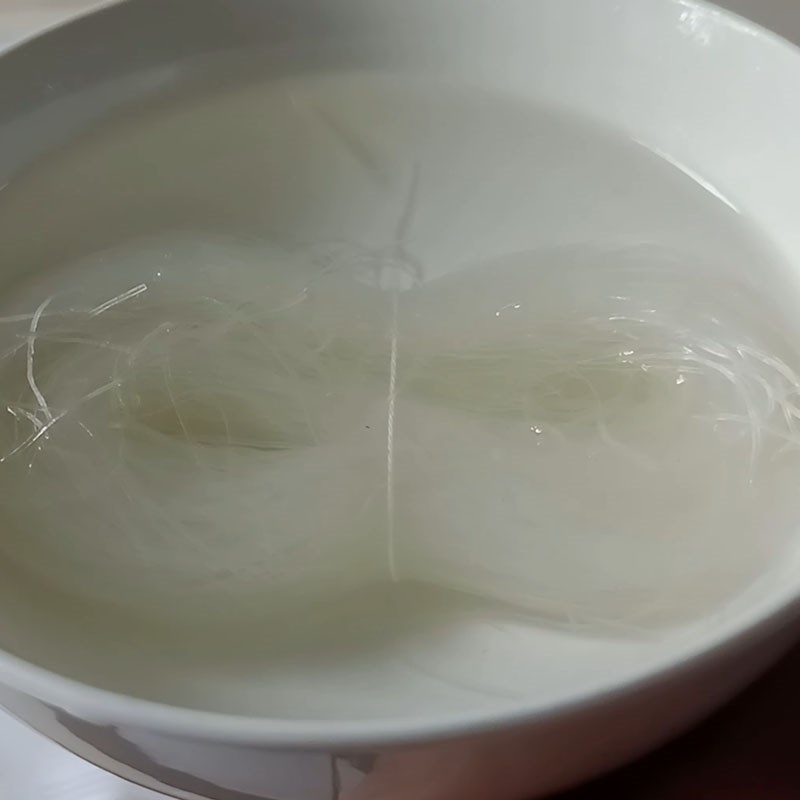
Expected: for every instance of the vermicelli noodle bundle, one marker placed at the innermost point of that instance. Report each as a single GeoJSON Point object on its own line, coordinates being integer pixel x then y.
{"type": "Point", "coordinates": [590, 433]}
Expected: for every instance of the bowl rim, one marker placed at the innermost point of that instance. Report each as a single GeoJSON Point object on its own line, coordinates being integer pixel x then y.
{"type": "Point", "coordinates": [101, 705]}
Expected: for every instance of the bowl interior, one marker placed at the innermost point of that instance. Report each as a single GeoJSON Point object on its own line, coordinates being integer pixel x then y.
{"type": "Point", "coordinates": [603, 94]}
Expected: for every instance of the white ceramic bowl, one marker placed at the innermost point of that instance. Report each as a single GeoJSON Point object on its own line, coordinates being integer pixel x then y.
{"type": "Point", "coordinates": [710, 91]}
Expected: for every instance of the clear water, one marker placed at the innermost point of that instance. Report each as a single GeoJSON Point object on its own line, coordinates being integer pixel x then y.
{"type": "Point", "coordinates": [499, 321]}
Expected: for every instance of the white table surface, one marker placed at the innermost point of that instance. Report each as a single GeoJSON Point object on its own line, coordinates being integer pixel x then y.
{"type": "Point", "coordinates": [32, 768]}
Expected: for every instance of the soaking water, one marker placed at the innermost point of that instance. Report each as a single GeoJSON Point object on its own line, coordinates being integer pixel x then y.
{"type": "Point", "coordinates": [331, 364]}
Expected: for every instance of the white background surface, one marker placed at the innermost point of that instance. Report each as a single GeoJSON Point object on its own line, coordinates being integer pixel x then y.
{"type": "Point", "coordinates": [32, 768]}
